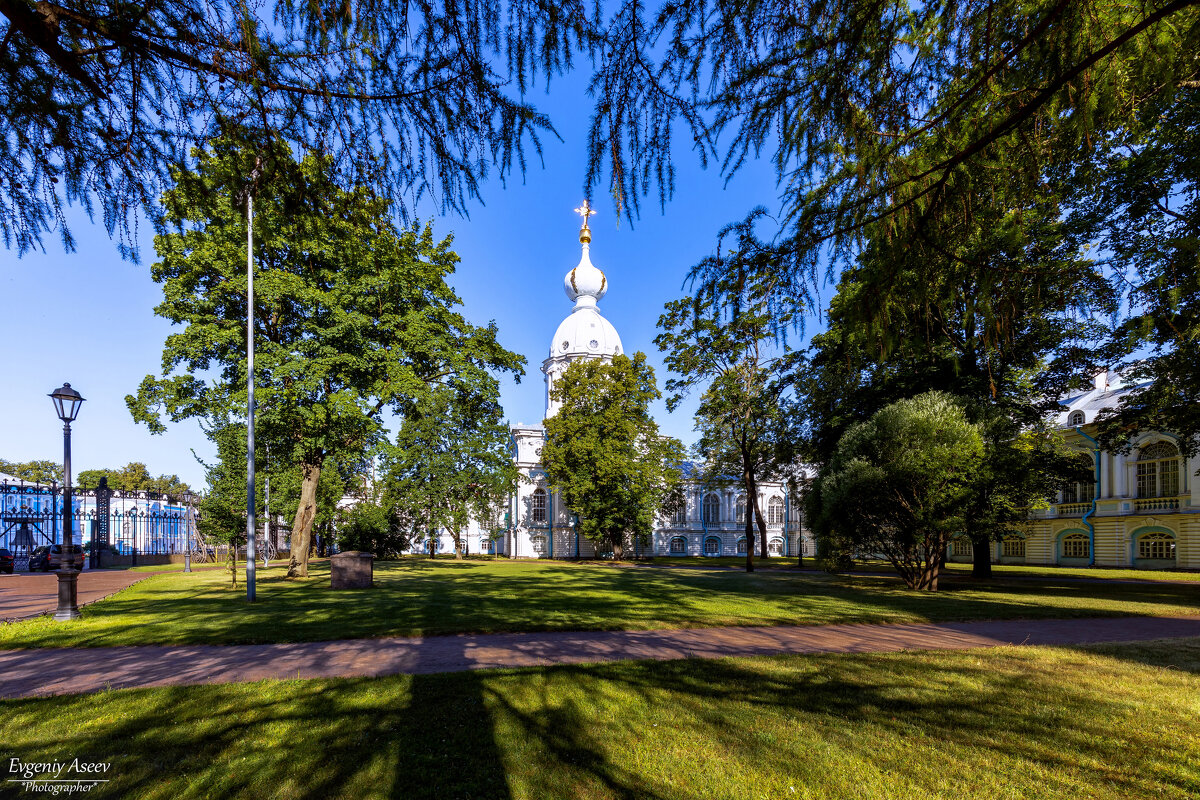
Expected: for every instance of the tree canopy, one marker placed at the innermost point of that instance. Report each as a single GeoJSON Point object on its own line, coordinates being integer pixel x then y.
{"type": "Point", "coordinates": [604, 455]}
{"type": "Point", "coordinates": [899, 485]}
{"type": "Point", "coordinates": [730, 343]}
{"type": "Point", "coordinates": [452, 461]}
{"type": "Point", "coordinates": [353, 316]}
{"type": "Point", "coordinates": [101, 100]}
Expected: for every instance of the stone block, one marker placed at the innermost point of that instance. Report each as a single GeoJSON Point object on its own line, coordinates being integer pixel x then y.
{"type": "Point", "coordinates": [352, 570]}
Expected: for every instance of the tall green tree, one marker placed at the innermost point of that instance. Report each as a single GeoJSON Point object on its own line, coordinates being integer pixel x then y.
{"type": "Point", "coordinates": [353, 317]}
{"type": "Point", "coordinates": [134, 477]}
{"type": "Point", "coordinates": [33, 471]}
{"type": "Point", "coordinates": [452, 460]}
{"type": "Point", "coordinates": [730, 340]}
{"type": "Point", "coordinates": [899, 485]}
{"type": "Point", "coordinates": [604, 454]}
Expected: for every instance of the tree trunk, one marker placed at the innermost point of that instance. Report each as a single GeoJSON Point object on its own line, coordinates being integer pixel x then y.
{"type": "Point", "coordinates": [762, 525]}
{"type": "Point", "coordinates": [302, 524]}
{"type": "Point", "coordinates": [981, 557]}
{"type": "Point", "coordinates": [748, 485]}
{"type": "Point", "coordinates": [232, 559]}
{"type": "Point", "coordinates": [618, 546]}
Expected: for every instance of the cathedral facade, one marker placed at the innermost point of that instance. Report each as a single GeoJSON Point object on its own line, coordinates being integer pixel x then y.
{"type": "Point", "coordinates": [536, 523]}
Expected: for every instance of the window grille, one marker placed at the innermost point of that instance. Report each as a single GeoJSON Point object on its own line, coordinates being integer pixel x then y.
{"type": "Point", "coordinates": [1076, 545]}
{"type": "Point", "coordinates": [1158, 546]}
{"type": "Point", "coordinates": [537, 507]}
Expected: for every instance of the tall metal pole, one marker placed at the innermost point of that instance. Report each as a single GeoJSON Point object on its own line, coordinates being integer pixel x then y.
{"type": "Point", "coordinates": [250, 522]}
{"type": "Point", "coordinates": [68, 576]}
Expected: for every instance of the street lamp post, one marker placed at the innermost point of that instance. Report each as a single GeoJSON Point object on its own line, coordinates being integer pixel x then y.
{"type": "Point", "coordinates": [67, 402]}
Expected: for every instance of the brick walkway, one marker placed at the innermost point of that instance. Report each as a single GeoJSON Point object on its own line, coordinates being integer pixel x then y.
{"type": "Point", "coordinates": [63, 671]}
{"type": "Point", "coordinates": [28, 594]}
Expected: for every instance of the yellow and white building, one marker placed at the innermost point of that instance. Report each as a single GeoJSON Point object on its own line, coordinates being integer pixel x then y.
{"type": "Point", "coordinates": [1140, 510]}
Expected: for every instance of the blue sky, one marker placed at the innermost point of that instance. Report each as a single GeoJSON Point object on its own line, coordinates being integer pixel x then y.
{"type": "Point", "coordinates": [87, 317]}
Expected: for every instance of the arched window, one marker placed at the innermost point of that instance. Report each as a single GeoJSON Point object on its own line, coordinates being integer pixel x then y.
{"type": "Point", "coordinates": [775, 547]}
{"type": "Point", "coordinates": [678, 546]}
{"type": "Point", "coordinates": [712, 546]}
{"type": "Point", "coordinates": [537, 506]}
{"type": "Point", "coordinates": [775, 511]}
{"type": "Point", "coordinates": [741, 546]}
{"type": "Point", "coordinates": [1158, 546]}
{"type": "Point", "coordinates": [741, 509]}
{"type": "Point", "coordinates": [1076, 545]}
{"type": "Point", "coordinates": [1158, 470]}
{"type": "Point", "coordinates": [1076, 419]}
{"type": "Point", "coordinates": [712, 509]}
{"type": "Point", "coordinates": [1082, 491]}
{"type": "Point", "coordinates": [1014, 547]}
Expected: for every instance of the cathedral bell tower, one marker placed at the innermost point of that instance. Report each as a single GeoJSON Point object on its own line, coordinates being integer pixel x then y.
{"type": "Point", "coordinates": [585, 333]}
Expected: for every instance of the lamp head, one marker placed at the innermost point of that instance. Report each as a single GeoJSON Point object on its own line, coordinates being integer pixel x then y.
{"type": "Point", "coordinates": [67, 402]}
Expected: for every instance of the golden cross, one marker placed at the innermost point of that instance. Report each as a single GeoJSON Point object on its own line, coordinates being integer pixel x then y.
{"type": "Point", "coordinates": [585, 211]}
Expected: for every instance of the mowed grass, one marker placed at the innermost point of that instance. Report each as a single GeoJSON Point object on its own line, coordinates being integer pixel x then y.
{"type": "Point", "coordinates": [424, 597]}
{"type": "Point", "coordinates": [1111, 722]}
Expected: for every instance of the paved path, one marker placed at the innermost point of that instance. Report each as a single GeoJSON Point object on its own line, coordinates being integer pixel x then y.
{"type": "Point", "coordinates": [64, 671]}
{"type": "Point", "coordinates": [29, 594]}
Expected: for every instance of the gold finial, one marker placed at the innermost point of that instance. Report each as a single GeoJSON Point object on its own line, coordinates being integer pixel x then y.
{"type": "Point", "coordinates": [585, 211]}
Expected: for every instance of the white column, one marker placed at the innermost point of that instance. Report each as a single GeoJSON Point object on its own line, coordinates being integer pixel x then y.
{"type": "Point", "coordinates": [1120, 476]}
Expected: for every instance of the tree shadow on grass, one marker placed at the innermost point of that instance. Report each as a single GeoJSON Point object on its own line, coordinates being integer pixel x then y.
{"type": "Point", "coordinates": [445, 596]}
{"type": "Point", "coordinates": [1028, 722]}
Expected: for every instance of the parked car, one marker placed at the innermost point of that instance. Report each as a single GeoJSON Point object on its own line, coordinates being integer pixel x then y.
{"type": "Point", "coordinates": [51, 557]}
{"type": "Point", "coordinates": [6, 560]}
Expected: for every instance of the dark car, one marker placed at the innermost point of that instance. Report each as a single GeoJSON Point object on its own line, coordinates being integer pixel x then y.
{"type": "Point", "coordinates": [48, 557]}
{"type": "Point", "coordinates": [6, 560]}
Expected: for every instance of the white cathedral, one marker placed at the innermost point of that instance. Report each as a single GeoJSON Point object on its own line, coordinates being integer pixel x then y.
{"type": "Point", "coordinates": [537, 524]}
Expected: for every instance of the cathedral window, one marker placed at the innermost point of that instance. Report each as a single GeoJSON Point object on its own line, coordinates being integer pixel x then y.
{"type": "Point", "coordinates": [712, 509]}
{"type": "Point", "coordinates": [775, 511]}
{"type": "Point", "coordinates": [1076, 545]}
{"type": "Point", "coordinates": [1157, 546]}
{"type": "Point", "coordinates": [537, 506]}
{"type": "Point", "coordinates": [1158, 470]}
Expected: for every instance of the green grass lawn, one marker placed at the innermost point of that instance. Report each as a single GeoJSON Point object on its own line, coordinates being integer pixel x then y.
{"type": "Point", "coordinates": [419, 596]}
{"type": "Point", "coordinates": [1110, 722]}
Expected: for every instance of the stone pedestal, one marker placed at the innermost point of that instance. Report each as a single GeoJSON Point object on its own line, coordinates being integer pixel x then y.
{"type": "Point", "coordinates": [352, 570]}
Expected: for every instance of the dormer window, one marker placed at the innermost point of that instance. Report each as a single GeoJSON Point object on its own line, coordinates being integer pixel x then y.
{"type": "Point", "coordinates": [1076, 419]}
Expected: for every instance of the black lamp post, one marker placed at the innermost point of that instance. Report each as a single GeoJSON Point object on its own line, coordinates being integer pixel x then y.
{"type": "Point", "coordinates": [67, 402]}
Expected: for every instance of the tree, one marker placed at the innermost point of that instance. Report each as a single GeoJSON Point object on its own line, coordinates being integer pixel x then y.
{"type": "Point", "coordinates": [372, 527]}
{"type": "Point", "coordinates": [731, 337]}
{"type": "Point", "coordinates": [353, 317]}
{"type": "Point", "coordinates": [134, 477]}
{"type": "Point", "coordinates": [846, 101]}
{"type": "Point", "coordinates": [1147, 215]}
{"type": "Point", "coordinates": [100, 101]}
{"type": "Point", "coordinates": [33, 471]}
{"type": "Point", "coordinates": [899, 485]}
{"type": "Point", "coordinates": [452, 461]}
{"type": "Point", "coordinates": [604, 455]}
